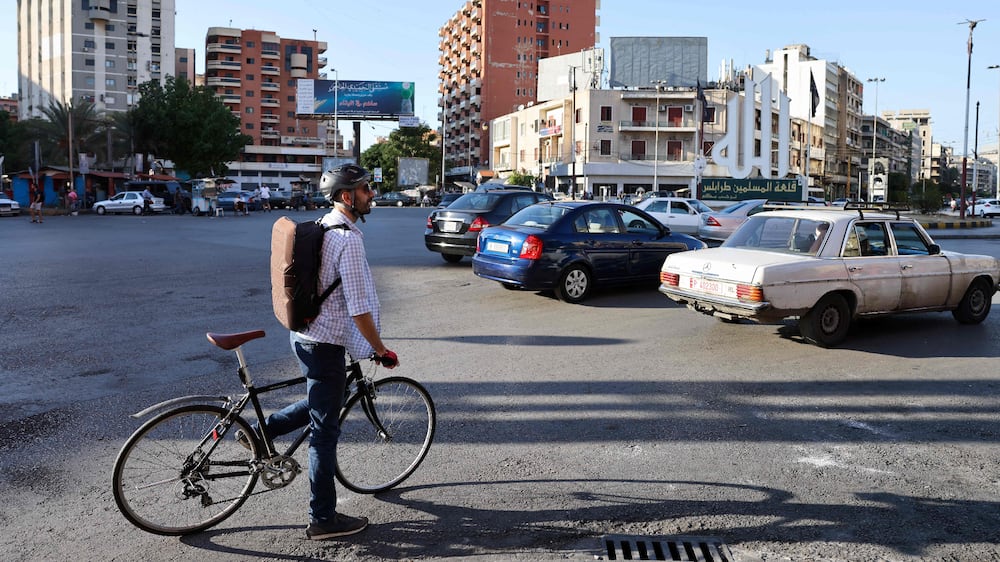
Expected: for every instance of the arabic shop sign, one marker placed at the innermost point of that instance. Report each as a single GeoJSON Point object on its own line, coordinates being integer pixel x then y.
{"type": "Point", "coordinates": [728, 189]}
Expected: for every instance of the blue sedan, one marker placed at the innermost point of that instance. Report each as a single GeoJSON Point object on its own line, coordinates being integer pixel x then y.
{"type": "Point", "coordinates": [571, 246]}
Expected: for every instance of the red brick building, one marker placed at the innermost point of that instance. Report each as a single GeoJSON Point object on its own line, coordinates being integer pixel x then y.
{"type": "Point", "coordinates": [489, 65]}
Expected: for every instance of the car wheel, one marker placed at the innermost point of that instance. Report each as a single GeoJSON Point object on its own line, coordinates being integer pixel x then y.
{"type": "Point", "coordinates": [574, 284]}
{"type": "Point", "coordinates": [399, 203]}
{"type": "Point", "coordinates": [636, 224]}
{"type": "Point", "coordinates": [452, 258]}
{"type": "Point", "coordinates": [826, 324]}
{"type": "Point", "coordinates": [101, 210]}
{"type": "Point", "coordinates": [975, 305]}
{"type": "Point", "coordinates": [196, 211]}
{"type": "Point", "coordinates": [136, 210]}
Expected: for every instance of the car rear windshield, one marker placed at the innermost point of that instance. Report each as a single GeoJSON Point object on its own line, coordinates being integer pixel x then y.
{"type": "Point", "coordinates": [540, 216]}
{"type": "Point", "coordinates": [476, 201]}
{"type": "Point", "coordinates": [780, 234]}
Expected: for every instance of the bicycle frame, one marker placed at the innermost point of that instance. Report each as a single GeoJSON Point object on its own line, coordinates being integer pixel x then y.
{"type": "Point", "coordinates": [236, 406]}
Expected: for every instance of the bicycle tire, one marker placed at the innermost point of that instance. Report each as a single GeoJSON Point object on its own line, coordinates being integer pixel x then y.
{"type": "Point", "coordinates": [149, 482]}
{"type": "Point", "coordinates": [368, 463]}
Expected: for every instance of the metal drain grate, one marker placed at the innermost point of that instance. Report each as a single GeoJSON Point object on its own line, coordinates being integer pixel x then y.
{"type": "Point", "coordinates": [631, 547]}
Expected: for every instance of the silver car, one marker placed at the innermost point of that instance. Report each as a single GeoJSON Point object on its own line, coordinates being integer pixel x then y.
{"type": "Point", "coordinates": [9, 206]}
{"type": "Point", "coordinates": [127, 202]}
{"type": "Point", "coordinates": [718, 225]}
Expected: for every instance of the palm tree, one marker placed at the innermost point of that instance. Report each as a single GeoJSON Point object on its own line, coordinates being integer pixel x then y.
{"type": "Point", "coordinates": [53, 132]}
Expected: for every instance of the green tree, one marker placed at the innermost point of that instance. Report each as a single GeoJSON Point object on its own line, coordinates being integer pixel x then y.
{"type": "Point", "coordinates": [406, 142]}
{"type": "Point", "coordinates": [188, 125]}
{"type": "Point", "coordinates": [521, 178]}
{"type": "Point", "coordinates": [14, 146]}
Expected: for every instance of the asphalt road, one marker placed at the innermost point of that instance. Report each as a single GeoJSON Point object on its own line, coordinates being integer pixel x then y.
{"type": "Point", "coordinates": [558, 424]}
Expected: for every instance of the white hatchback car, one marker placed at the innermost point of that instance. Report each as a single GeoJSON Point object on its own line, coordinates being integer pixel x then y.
{"type": "Point", "coordinates": [127, 202]}
{"type": "Point", "coordinates": [678, 213]}
{"type": "Point", "coordinates": [828, 267]}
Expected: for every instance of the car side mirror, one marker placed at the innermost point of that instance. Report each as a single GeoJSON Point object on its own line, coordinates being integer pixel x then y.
{"type": "Point", "coordinates": [934, 249]}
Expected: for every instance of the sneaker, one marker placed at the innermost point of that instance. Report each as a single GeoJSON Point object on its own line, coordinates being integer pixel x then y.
{"type": "Point", "coordinates": [340, 526]}
{"type": "Point", "coordinates": [243, 439]}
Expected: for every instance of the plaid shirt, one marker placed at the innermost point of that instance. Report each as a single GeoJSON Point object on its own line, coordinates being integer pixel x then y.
{"type": "Point", "coordinates": [343, 256]}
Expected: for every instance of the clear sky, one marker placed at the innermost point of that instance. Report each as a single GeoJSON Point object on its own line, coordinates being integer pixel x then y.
{"type": "Point", "coordinates": [918, 46]}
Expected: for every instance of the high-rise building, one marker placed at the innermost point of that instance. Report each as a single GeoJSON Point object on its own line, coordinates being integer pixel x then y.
{"type": "Point", "coordinates": [489, 65]}
{"type": "Point", "coordinates": [838, 111]}
{"type": "Point", "coordinates": [94, 50]}
{"type": "Point", "coordinates": [254, 73]}
{"type": "Point", "coordinates": [184, 66]}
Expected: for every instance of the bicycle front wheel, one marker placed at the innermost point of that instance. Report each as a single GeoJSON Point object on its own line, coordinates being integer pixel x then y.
{"type": "Point", "coordinates": [381, 447]}
{"type": "Point", "coordinates": [183, 471]}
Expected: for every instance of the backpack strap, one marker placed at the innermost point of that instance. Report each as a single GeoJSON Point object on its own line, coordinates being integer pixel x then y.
{"type": "Point", "coordinates": [336, 283]}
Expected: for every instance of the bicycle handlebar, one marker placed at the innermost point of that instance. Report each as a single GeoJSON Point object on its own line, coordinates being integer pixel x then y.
{"type": "Point", "coordinates": [389, 360]}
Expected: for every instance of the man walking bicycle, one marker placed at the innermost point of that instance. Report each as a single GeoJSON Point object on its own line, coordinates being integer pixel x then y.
{"type": "Point", "coordinates": [348, 321]}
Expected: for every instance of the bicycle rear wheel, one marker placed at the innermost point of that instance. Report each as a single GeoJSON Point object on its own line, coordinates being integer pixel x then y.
{"type": "Point", "coordinates": [370, 461]}
{"type": "Point", "coordinates": [183, 471]}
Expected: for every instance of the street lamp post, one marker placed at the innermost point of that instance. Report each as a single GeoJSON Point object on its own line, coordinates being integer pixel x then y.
{"type": "Point", "coordinates": [656, 135]}
{"type": "Point", "coordinates": [995, 67]}
{"type": "Point", "coordinates": [968, 93]}
{"type": "Point", "coordinates": [871, 168]}
{"type": "Point", "coordinates": [336, 103]}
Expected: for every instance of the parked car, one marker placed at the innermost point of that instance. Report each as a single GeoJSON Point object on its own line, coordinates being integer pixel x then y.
{"type": "Point", "coordinates": [987, 207]}
{"type": "Point", "coordinates": [829, 267]}
{"type": "Point", "coordinates": [718, 225]}
{"type": "Point", "coordinates": [394, 199]}
{"type": "Point", "coordinates": [571, 246]}
{"type": "Point", "coordinates": [680, 214]}
{"type": "Point", "coordinates": [227, 200]}
{"type": "Point", "coordinates": [447, 199]}
{"type": "Point", "coordinates": [159, 188]}
{"type": "Point", "coordinates": [495, 185]}
{"type": "Point", "coordinates": [9, 206]}
{"type": "Point", "coordinates": [452, 231]}
{"type": "Point", "coordinates": [127, 202]}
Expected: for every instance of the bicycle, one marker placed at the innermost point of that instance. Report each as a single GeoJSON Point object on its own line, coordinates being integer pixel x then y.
{"type": "Point", "coordinates": [183, 471]}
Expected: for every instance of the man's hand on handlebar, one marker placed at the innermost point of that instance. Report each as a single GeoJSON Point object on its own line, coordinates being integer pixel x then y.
{"type": "Point", "coordinates": [389, 360]}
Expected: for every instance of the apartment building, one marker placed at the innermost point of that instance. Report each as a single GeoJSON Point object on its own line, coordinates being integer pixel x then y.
{"type": "Point", "coordinates": [254, 73]}
{"type": "Point", "coordinates": [623, 142]}
{"type": "Point", "coordinates": [489, 65]}
{"type": "Point", "coordinates": [838, 112]}
{"type": "Point", "coordinates": [93, 50]}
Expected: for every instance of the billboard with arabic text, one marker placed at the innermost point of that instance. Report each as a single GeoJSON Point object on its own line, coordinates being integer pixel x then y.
{"type": "Point", "coordinates": [354, 98]}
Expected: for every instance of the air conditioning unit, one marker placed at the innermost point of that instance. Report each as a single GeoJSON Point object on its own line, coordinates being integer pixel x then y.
{"type": "Point", "coordinates": [689, 108]}
{"type": "Point", "coordinates": [663, 108]}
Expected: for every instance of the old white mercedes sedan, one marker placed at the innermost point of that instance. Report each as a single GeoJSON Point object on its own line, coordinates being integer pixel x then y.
{"type": "Point", "coordinates": [828, 267]}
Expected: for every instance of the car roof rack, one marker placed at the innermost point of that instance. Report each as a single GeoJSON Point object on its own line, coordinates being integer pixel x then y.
{"type": "Point", "coordinates": [790, 206]}
{"type": "Point", "coordinates": [881, 207]}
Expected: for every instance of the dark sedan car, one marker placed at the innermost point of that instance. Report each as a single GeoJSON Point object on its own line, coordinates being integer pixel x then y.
{"type": "Point", "coordinates": [571, 246]}
{"type": "Point", "coordinates": [452, 231]}
{"type": "Point", "coordinates": [227, 200]}
{"type": "Point", "coordinates": [394, 199]}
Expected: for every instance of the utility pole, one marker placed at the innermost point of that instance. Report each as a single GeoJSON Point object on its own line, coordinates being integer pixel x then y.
{"type": "Point", "coordinates": [968, 92]}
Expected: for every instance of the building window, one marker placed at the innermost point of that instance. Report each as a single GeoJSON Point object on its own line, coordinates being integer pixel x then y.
{"type": "Point", "coordinates": [249, 110]}
{"type": "Point", "coordinates": [249, 93]}
{"type": "Point", "coordinates": [251, 60]}
{"type": "Point", "coordinates": [109, 64]}
{"type": "Point", "coordinates": [250, 44]}
{"type": "Point", "coordinates": [605, 148]}
{"type": "Point", "coordinates": [109, 27]}
{"type": "Point", "coordinates": [605, 113]}
{"type": "Point", "coordinates": [249, 77]}
{"type": "Point", "coordinates": [708, 115]}
{"type": "Point", "coordinates": [88, 25]}
{"type": "Point", "coordinates": [249, 126]}
{"type": "Point", "coordinates": [89, 81]}
{"type": "Point", "coordinates": [88, 62]}
{"type": "Point", "coordinates": [89, 44]}
{"type": "Point", "coordinates": [108, 100]}
{"type": "Point", "coordinates": [109, 46]}
{"type": "Point", "coordinates": [291, 130]}
{"type": "Point", "coordinates": [110, 82]}
{"type": "Point", "coordinates": [674, 151]}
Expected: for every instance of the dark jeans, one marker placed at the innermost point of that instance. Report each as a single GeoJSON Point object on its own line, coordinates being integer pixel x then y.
{"type": "Point", "coordinates": [325, 369]}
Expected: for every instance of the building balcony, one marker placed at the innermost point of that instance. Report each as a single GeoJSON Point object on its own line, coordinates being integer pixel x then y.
{"type": "Point", "coordinates": [223, 65]}
{"type": "Point", "coordinates": [321, 62]}
{"type": "Point", "coordinates": [671, 127]}
{"type": "Point", "coordinates": [270, 70]}
{"type": "Point", "coordinates": [270, 102]}
{"type": "Point", "coordinates": [270, 134]}
{"type": "Point", "coordinates": [99, 10]}
{"type": "Point", "coordinates": [230, 98]}
{"type": "Point", "coordinates": [222, 82]}
{"type": "Point", "coordinates": [270, 119]}
{"type": "Point", "coordinates": [223, 48]}
{"type": "Point", "coordinates": [270, 55]}
{"type": "Point", "coordinates": [270, 86]}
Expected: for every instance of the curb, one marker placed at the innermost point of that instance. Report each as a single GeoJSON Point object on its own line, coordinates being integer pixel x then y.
{"type": "Point", "coordinates": [957, 225]}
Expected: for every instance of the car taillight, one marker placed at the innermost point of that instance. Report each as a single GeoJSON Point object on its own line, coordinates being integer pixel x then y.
{"type": "Point", "coordinates": [478, 224]}
{"type": "Point", "coordinates": [710, 221]}
{"type": "Point", "coordinates": [430, 221]}
{"type": "Point", "coordinates": [667, 278]}
{"type": "Point", "coordinates": [532, 248]}
{"type": "Point", "coordinates": [752, 293]}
